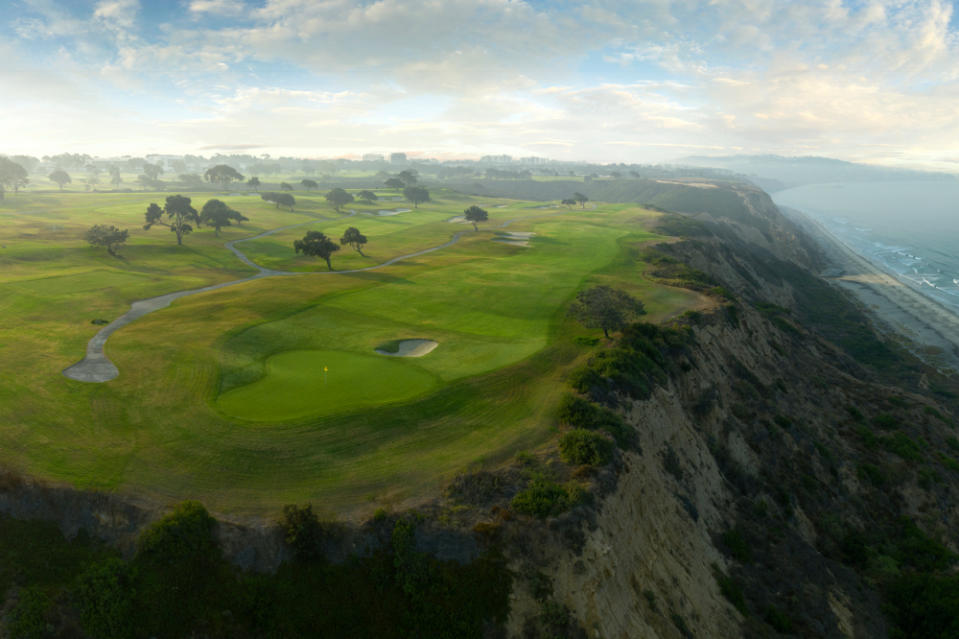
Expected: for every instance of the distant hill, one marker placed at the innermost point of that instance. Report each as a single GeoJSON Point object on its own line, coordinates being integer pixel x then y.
{"type": "Point", "coordinates": [775, 172]}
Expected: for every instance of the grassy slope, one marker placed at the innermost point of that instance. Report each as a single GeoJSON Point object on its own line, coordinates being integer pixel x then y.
{"type": "Point", "coordinates": [156, 429]}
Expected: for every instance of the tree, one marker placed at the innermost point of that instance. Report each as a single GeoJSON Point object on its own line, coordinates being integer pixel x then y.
{"type": "Point", "coordinates": [152, 171]}
{"type": "Point", "coordinates": [26, 161]}
{"type": "Point", "coordinates": [606, 308]}
{"type": "Point", "coordinates": [286, 186]}
{"type": "Point", "coordinates": [238, 217]}
{"type": "Point", "coordinates": [109, 237]}
{"type": "Point", "coordinates": [149, 182]}
{"type": "Point", "coordinates": [367, 196]}
{"type": "Point", "coordinates": [222, 175]}
{"type": "Point", "coordinates": [475, 214]}
{"type": "Point", "coordinates": [217, 214]}
{"type": "Point", "coordinates": [115, 178]}
{"type": "Point", "coordinates": [279, 198]}
{"type": "Point", "coordinates": [253, 183]}
{"type": "Point", "coordinates": [569, 202]}
{"type": "Point", "coordinates": [352, 237]}
{"type": "Point", "coordinates": [180, 213]}
{"type": "Point", "coordinates": [416, 195]}
{"type": "Point", "coordinates": [309, 185]}
{"type": "Point", "coordinates": [580, 199]}
{"type": "Point", "coordinates": [317, 244]}
{"type": "Point", "coordinates": [409, 177]}
{"type": "Point", "coordinates": [61, 177]}
{"type": "Point", "coordinates": [394, 183]}
{"type": "Point", "coordinates": [12, 174]}
{"type": "Point", "coordinates": [338, 197]}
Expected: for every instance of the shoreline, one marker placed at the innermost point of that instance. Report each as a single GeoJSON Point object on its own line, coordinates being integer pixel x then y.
{"type": "Point", "coordinates": [927, 328]}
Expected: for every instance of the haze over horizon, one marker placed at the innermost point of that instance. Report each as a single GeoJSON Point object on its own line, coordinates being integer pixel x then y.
{"type": "Point", "coordinates": [602, 81]}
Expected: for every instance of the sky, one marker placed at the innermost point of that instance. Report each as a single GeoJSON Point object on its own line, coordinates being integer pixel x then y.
{"type": "Point", "coordinates": [635, 81]}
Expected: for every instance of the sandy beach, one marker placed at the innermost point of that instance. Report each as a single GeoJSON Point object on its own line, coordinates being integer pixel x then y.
{"type": "Point", "coordinates": [927, 328]}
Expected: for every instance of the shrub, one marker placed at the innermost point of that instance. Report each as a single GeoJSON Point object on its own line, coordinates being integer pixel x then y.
{"type": "Point", "coordinates": [302, 531]}
{"type": "Point", "coordinates": [886, 421]}
{"type": "Point", "coordinates": [542, 498]}
{"type": "Point", "coordinates": [581, 413]}
{"type": "Point", "coordinates": [903, 446]}
{"type": "Point", "coordinates": [737, 545]}
{"type": "Point", "coordinates": [949, 462]}
{"type": "Point", "coordinates": [580, 446]}
{"type": "Point", "coordinates": [871, 473]}
{"type": "Point", "coordinates": [28, 618]}
{"type": "Point", "coordinates": [855, 413]}
{"type": "Point", "coordinates": [778, 619]}
{"type": "Point", "coordinates": [104, 595]}
{"type": "Point", "coordinates": [184, 534]}
{"type": "Point", "coordinates": [179, 568]}
{"type": "Point", "coordinates": [731, 590]}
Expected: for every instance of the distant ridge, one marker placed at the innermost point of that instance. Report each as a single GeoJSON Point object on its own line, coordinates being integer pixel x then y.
{"type": "Point", "coordinates": [776, 172]}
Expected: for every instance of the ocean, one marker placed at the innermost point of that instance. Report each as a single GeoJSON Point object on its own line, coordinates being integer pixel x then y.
{"type": "Point", "coordinates": [909, 229]}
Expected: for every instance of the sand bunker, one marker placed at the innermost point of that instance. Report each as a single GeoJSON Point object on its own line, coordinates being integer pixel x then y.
{"type": "Point", "coordinates": [384, 212]}
{"type": "Point", "coordinates": [514, 238]}
{"type": "Point", "coordinates": [410, 348]}
{"type": "Point", "coordinates": [457, 219]}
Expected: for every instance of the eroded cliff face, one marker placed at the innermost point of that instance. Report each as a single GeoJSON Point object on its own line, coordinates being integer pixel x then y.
{"type": "Point", "coordinates": [769, 447]}
{"type": "Point", "coordinates": [651, 561]}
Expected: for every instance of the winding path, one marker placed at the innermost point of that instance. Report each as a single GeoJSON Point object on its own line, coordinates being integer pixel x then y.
{"type": "Point", "coordinates": [96, 367]}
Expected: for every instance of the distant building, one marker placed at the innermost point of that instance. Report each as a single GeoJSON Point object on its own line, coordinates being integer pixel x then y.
{"type": "Point", "coordinates": [397, 158]}
{"type": "Point", "coordinates": [497, 159]}
{"type": "Point", "coordinates": [373, 157]}
{"type": "Point", "coordinates": [534, 160]}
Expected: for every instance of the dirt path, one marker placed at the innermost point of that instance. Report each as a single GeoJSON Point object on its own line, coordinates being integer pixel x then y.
{"type": "Point", "coordinates": [96, 367]}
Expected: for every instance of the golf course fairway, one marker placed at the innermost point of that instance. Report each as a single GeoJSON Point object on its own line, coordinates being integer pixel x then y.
{"type": "Point", "coordinates": [222, 396]}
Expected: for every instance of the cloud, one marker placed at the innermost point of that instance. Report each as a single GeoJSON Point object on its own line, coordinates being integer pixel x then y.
{"type": "Point", "coordinates": [117, 14]}
{"type": "Point", "coordinates": [218, 7]}
{"type": "Point", "coordinates": [597, 79]}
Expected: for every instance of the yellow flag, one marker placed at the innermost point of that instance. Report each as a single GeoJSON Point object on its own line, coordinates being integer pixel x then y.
{"type": "Point", "coordinates": [325, 369]}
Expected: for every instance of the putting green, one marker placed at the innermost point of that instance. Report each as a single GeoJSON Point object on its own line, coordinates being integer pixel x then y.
{"type": "Point", "coordinates": [301, 383]}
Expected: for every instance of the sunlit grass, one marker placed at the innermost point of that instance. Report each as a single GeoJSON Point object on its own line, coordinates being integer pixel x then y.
{"type": "Point", "coordinates": [198, 412]}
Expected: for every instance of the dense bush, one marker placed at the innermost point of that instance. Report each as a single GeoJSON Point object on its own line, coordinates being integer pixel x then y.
{"type": "Point", "coordinates": [104, 595]}
{"type": "Point", "coordinates": [924, 605]}
{"type": "Point", "coordinates": [638, 363]}
{"type": "Point", "coordinates": [28, 618]}
{"type": "Point", "coordinates": [581, 413]}
{"type": "Point", "coordinates": [543, 498]}
{"type": "Point", "coordinates": [302, 531]}
{"type": "Point", "coordinates": [186, 533]}
{"type": "Point", "coordinates": [178, 586]}
{"type": "Point", "coordinates": [580, 446]}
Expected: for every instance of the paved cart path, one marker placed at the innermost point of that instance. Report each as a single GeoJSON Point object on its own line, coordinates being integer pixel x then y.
{"type": "Point", "coordinates": [96, 367]}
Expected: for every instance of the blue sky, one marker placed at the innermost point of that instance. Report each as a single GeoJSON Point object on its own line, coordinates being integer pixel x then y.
{"type": "Point", "coordinates": [600, 80]}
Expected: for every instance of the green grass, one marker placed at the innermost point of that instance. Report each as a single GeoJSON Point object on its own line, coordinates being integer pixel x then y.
{"type": "Point", "coordinates": [294, 385]}
{"type": "Point", "coordinates": [221, 396]}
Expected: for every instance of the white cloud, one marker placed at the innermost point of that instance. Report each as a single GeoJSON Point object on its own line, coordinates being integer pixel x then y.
{"type": "Point", "coordinates": [869, 79]}
{"type": "Point", "coordinates": [218, 7]}
{"type": "Point", "coordinates": [117, 14]}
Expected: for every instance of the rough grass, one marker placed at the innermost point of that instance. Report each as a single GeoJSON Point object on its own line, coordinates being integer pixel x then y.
{"type": "Point", "coordinates": [168, 426]}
